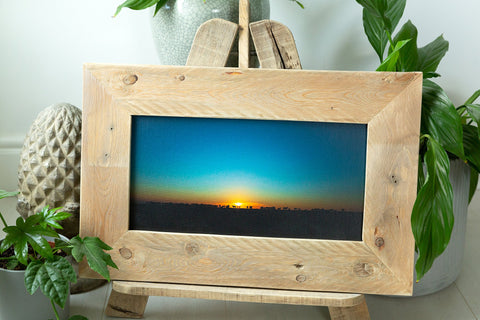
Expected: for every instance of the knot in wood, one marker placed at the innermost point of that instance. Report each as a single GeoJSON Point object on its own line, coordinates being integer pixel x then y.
{"type": "Point", "coordinates": [181, 77]}
{"type": "Point", "coordinates": [394, 179]}
{"type": "Point", "coordinates": [192, 248]}
{"type": "Point", "coordinates": [379, 242]}
{"type": "Point", "coordinates": [362, 269]}
{"type": "Point", "coordinates": [301, 278]}
{"type": "Point", "coordinates": [130, 79]}
{"type": "Point", "coordinates": [126, 253]}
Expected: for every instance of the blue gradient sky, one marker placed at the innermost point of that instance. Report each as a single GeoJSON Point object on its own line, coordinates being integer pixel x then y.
{"type": "Point", "coordinates": [255, 162]}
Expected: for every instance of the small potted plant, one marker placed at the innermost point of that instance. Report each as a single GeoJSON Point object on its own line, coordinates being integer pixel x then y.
{"type": "Point", "coordinates": [35, 249]}
{"type": "Point", "coordinates": [449, 135]}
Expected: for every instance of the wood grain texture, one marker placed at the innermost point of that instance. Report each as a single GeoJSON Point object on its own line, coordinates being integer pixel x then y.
{"type": "Point", "coordinates": [212, 43]}
{"type": "Point", "coordinates": [388, 102]}
{"type": "Point", "coordinates": [391, 151]}
{"type": "Point", "coordinates": [307, 298]}
{"type": "Point", "coordinates": [126, 305]}
{"type": "Point", "coordinates": [275, 45]}
{"type": "Point", "coordinates": [356, 312]}
{"type": "Point", "coordinates": [337, 96]}
{"type": "Point", "coordinates": [243, 34]}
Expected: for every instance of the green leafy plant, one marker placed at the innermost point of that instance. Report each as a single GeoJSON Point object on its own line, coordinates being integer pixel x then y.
{"type": "Point", "coordinates": [44, 261]}
{"type": "Point", "coordinates": [144, 4]}
{"type": "Point", "coordinates": [446, 132]}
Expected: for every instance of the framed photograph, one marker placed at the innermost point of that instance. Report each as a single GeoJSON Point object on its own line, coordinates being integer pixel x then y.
{"type": "Point", "coordinates": [281, 179]}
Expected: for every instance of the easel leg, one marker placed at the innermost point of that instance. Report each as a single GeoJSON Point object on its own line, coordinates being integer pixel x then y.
{"type": "Point", "coordinates": [358, 312]}
{"type": "Point", "coordinates": [126, 305]}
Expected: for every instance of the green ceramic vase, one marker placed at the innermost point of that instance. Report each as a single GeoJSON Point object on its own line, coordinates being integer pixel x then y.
{"type": "Point", "coordinates": [175, 25]}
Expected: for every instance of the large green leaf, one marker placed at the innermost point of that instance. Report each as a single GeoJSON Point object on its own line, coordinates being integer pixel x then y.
{"type": "Point", "coordinates": [430, 55]}
{"type": "Point", "coordinates": [473, 183]}
{"type": "Point", "coordinates": [432, 215]}
{"type": "Point", "coordinates": [471, 145]}
{"type": "Point", "coordinates": [52, 277]}
{"type": "Point", "coordinates": [395, 11]}
{"type": "Point", "coordinates": [440, 119]}
{"type": "Point", "coordinates": [474, 97]}
{"type": "Point", "coordinates": [380, 17]}
{"type": "Point", "coordinates": [473, 111]}
{"type": "Point", "coordinates": [136, 5]}
{"type": "Point", "coordinates": [161, 3]}
{"type": "Point", "coordinates": [409, 54]}
{"type": "Point", "coordinates": [390, 64]}
{"type": "Point", "coordinates": [374, 29]}
{"type": "Point", "coordinates": [93, 248]}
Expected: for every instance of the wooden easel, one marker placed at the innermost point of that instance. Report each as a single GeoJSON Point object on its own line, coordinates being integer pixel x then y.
{"type": "Point", "coordinates": [275, 48]}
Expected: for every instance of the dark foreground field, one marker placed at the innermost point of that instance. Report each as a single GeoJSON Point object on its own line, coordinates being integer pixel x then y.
{"type": "Point", "coordinates": [267, 222]}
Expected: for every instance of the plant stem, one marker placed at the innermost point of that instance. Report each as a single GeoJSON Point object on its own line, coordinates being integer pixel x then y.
{"type": "Point", "coordinates": [3, 220]}
{"type": "Point", "coordinates": [473, 97]}
{"type": "Point", "coordinates": [390, 40]}
{"type": "Point", "coordinates": [55, 309]}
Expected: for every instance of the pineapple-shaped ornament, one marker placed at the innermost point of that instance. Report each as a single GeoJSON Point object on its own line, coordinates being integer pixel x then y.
{"type": "Point", "coordinates": [49, 170]}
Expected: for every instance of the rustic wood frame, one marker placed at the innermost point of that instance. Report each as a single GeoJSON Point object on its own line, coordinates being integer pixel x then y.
{"type": "Point", "coordinates": [389, 103]}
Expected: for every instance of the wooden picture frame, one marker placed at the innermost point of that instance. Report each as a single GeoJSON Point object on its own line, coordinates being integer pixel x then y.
{"type": "Point", "coordinates": [389, 103]}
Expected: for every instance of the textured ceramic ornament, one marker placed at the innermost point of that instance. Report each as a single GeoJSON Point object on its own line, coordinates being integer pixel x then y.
{"type": "Point", "coordinates": [49, 170]}
{"type": "Point", "coordinates": [175, 25]}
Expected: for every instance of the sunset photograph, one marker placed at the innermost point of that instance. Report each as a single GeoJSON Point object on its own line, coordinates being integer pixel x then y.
{"type": "Point", "coordinates": [247, 177]}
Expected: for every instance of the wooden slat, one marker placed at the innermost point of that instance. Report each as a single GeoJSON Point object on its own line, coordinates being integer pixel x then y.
{"type": "Point", "coordinates": [357, 312]}
{"type": "Point", "coordinates": [239, 294]}
{"type": "Point", "coordinates": [275, 45]}
{"type": "Point", "coordinates": [336, 96]}
{"type": "Point", "coordinates": [126, 305]}
{"type": "Point", "coordinates": [243, 34]}
{"type": "Point", "coordinates": [212, 44]}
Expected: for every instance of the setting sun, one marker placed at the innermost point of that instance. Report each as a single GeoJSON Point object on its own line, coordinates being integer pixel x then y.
{"type": "Point", "coordinates": [238, 204]}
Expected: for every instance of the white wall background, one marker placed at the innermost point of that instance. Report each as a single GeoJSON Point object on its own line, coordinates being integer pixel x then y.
{"type": "Point", "coordinates": [45, 42]}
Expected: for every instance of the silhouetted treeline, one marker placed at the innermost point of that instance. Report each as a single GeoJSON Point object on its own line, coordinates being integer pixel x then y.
{"type": "Point", "coordinates": [264, 222]}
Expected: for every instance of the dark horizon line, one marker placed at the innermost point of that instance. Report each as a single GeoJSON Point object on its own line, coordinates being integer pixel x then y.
{"type": "Point", "coordinates": [245, 208]}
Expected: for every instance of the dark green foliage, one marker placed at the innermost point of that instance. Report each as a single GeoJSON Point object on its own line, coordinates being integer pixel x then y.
{"type": "Point", "coordinates": [46, 265]}
{"type": "Point", "coordinates": [445, 130]}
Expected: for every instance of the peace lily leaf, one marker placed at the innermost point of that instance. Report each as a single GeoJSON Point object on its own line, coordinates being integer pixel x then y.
{"type": "Point", "coordinates": [440, 119]}
{"type": "Point", "coordinates": [409, 54]}
{"type": "Point", "coordinates": [471, 143]}
{"type": "Point", "coordinates": [53, 278]}
{"type": "Point", "coordinates": [378, 17]}
{"type": "Point", "coordinates": [421, 174]}
{"type": "Point", "coordinates": [432, 215]}
{"type": "Point", "coordinates": [373, 27]}
{"type": "Point", "coordinates": [429, 56]}
{"type": "Point", "coordinates": [473, 97]}
{"type": "Point", "coordinates": [135, 5]}
{"type": "Point", "coordinates": [473, 183]}
{"type": "Point", "coordinates": [50, 217]}
{"type": "Point", "coordinates": [160, 5]}
{"type": "Point", "coordinates": [427, 75]}
{"type": "Point", "coordinates": [300, 4]}
{"type": "Point", "coordinates": [6, 194]}
{"type": "Point", "coordinates": [92, 248]}
{"type": "Point", "coordinates": [474, 112]}
{"type": "Point", "coordinates": [390, 63]}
